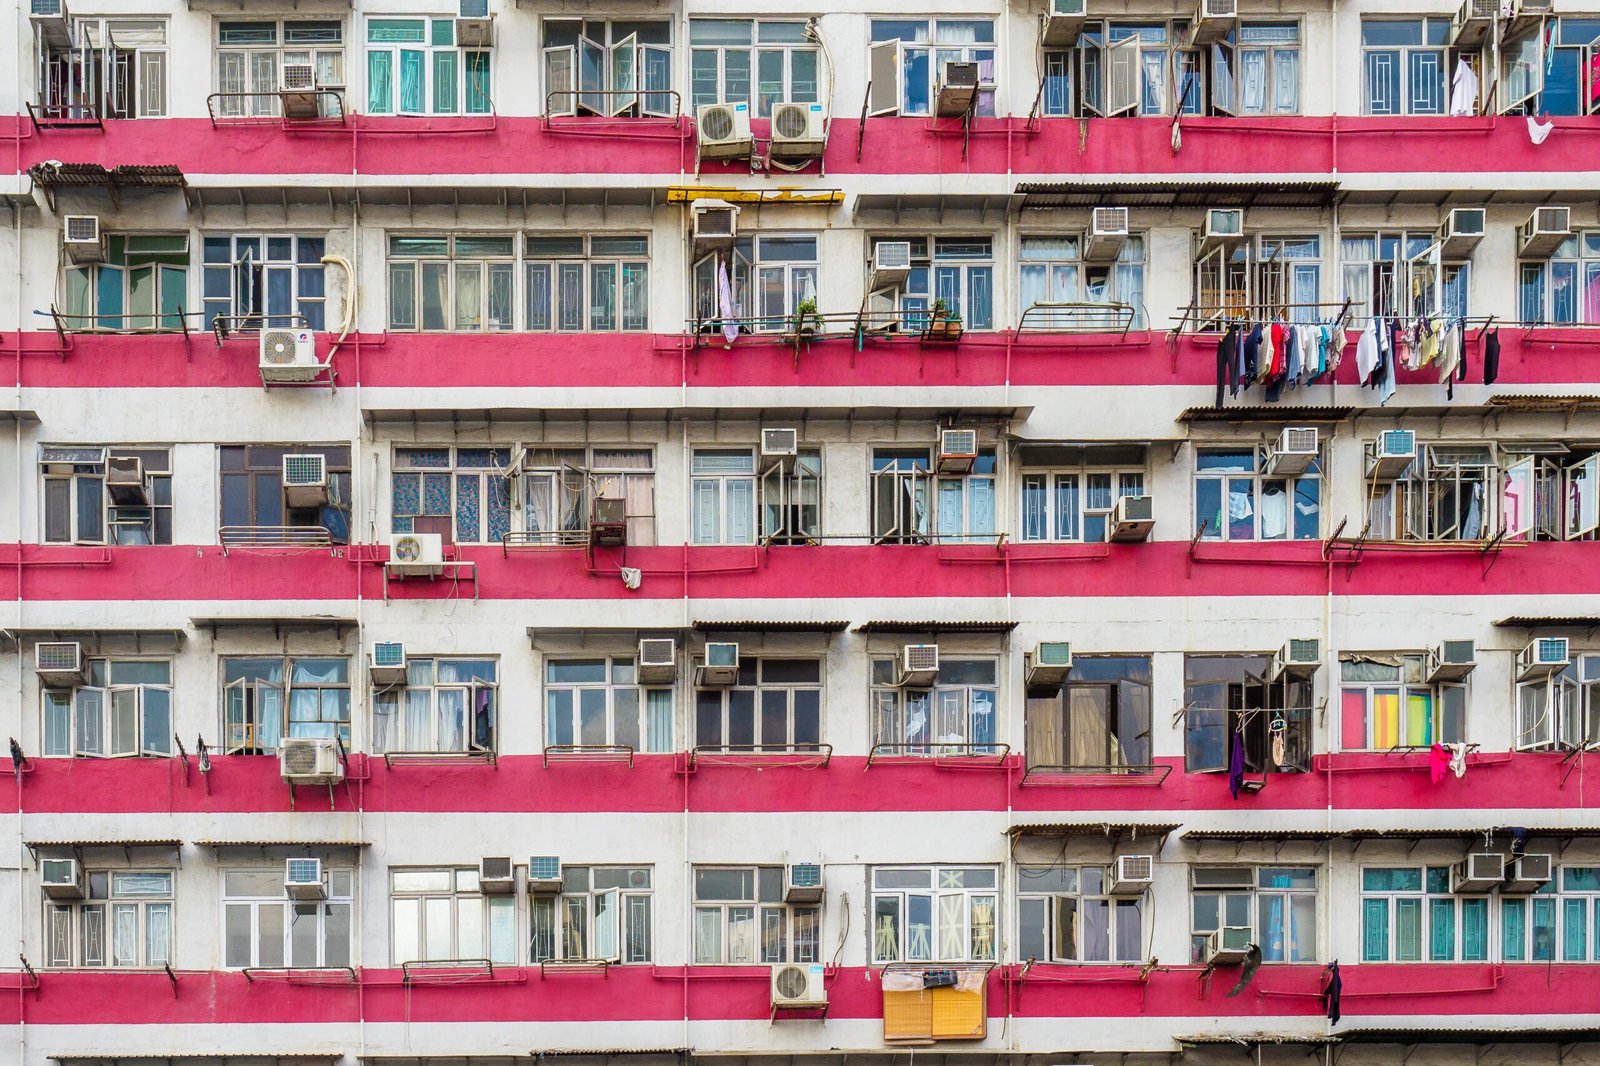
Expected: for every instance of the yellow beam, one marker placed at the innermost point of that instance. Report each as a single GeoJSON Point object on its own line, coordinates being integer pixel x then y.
{"type": "Point", "coordinates": [683, 194]}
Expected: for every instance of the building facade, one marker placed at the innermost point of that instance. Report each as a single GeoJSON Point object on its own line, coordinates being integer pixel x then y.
{"type": "Point", "coordinates": [659, 531]}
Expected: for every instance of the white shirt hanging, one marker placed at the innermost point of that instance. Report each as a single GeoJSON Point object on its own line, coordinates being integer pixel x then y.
{"type": "Point", "coordinates": [1464, 89]}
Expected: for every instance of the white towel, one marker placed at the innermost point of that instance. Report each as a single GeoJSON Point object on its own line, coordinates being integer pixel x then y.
{"type": "Point", "coordinates": [1464, 89]}
{"type": "Point", "coordinates": [1538, 131]}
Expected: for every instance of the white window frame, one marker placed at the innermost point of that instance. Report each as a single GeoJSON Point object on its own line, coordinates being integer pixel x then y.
{"type": "Point", "coordinates": [740, 932]}
{"type": "Point", "coordinates": [569, 282]}
{"type": "Point", "coordinates": [895, 941]}
{"type": "Point", "coordinates": [1406, 105]}
{"type": "Point", "coordinates": [1094, 503]}
{"type": "Point", "coordinates": [1580, 254]}
{"type": "Point", "coordinates": [490, 477]}
{"type": "Point", "coordinates": [1408, 681]}
{"type": "Point", "coordinates": [327, 57]}
{"type": "Point", "coordinates": [452, 267]}
{"type": "Point", "coordinates": [937, 704]}
{"type": "Point", "coordinates": [623, 67]}
{"type": "Point", "coordinates": [1560, 712]}
{"type": "Point", "coordinates": [1067, 278]}
{"type": "Point", "coordinates": [646, 740]}
{"type": "Point", "coordinates": [1118, 911]}
{"type": "Point", "coordinates": [394, 105]}
{"type": "Point", "coordinates": [1259, 479]}
{"type": "Point", "coordinates": [246, 282]}
{"type": "Point", "coordinates": [719, 517]}
{"type": "Point", "coordinates": [250, 694]}
{"type": "Point", "coordinates": [82, 286]}
{"type": "Point", "coordinates": [758, 691]}
{"type": "Point", "coordinates": [106, 704]}
{"type": "Point", "coordinates": [340, 884]}
{"type": "Point", "coordinates": [73, 921]}
{"type": "Point", "coordinates": [89, 464]}
{"type": "Point", "coordinates": [461, 899]}
{"type": "Point", "coordinates": [1425, 900]}
{"type": "Point", "coordinates": [937, 54]}
{"type": "Point", "coordinates": [754, 52]}
{"type": "Point", "coordinates": [1394, 509]}
{"type": "Point", "coordinates": [617, 920]}
{"type": "Point", "coordinates": [1560, 897]}
{"type": "Point", "coordinates": [102, 64]}
{"type": "Point", "coordinates": [1204, 879]}
{"type": "Point", "coordinates": [395, 738]}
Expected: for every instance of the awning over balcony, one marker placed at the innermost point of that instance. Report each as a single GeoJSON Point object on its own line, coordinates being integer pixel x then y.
{"type": "Point", "coordinates": [901, 628]}
{"type": "Point", "coordinates": [757, 626]}
{"type": "Point", "coordinates": [52, 176]}
{"type": "Point", "coordinates": [270, 844]}
{"type": "Point", "coordinates": [1275, 413]}
{"type": "Point", "coordinates": [1114, 831]}
{"type": "Point", "coordinates": [223, 1058]}
{"type": "Point", "coordinates": [1285, 835]}
{"type": "Point", "coordinates": [1202, 194]}
{"type": "Point", "coordinates": [279, 624]}
{"type": "Point", "coordinates": [95, 639]}
{"type": "Point", "coordinates": [1549, 621]}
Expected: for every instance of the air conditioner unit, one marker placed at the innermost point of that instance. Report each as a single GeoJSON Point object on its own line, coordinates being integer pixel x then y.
{"type": "Point", "coordinates": [1133, 874]}
{"type": "Point", "coordinates": [1461, 232]}
{"type": "Point", "coordinates": [1298, 659]}
{"type": "Point", "coordinates": [799, 131]}
{"type": "Point", "coordinates": [1050, 663]}
{"type": "Point", "coordinates": [81, 237]}
{"type": "Point", "coordinates": [1546, 229]}
{"type": "Point", "coordinates": [1063, 21]}
{"type": "Point", "coordinates": [1212, 20]}
{"type": "Point", "coordinates": [289, 355]}
{"type": "Point", "coordinates": [1531, 8]}
{"type": "Point", "coordinates": [722, 131]}
{"type": "Point", "coordinates": [798, 985]}
{"type": "Point", "coordinates": [780, 444]}
{"type": "Point", "coordinates": [419, 554]}
{"type": "Point", "coordinates": [1528, 873]}
{"type": "Point", "coordinates": [715, 225]}
{"type": "Point", "coordinates": [802, 882]}
{"type": "Point", "coordinates": [302, 879]}
{"type": "Point", "coordinates": [386, 665]}
{"type": "Point", "coordinates": [1472, 22]}
{"type": "Point", "coordinates": [1478, 872]}
{"type": "Point", "coordinates": [957, 92]}
{"type": "Point", "coordinates": [1227, 946]}
{"type": "Point", "coordinates": [1294, 453]}
{"type": "Point", "coordinates": [62, 879]}
{"type": "Point", "coordinates": [297, 84]}
{"type": "Point", "coordinates": [608, 520]}
{"type": "Point", "coordinates": [59, 663]}
{"type": "Point", "coordinates": [125, 482]}
{"type": "Point", "coordinates": [49, 18]}
{"type": "Point", "coordinates": [310, 761]}
{"type": "Point", "coordinates": [1108, 232]}
{"type": "Point", "coordinates": [544, 875]}
{"type": "Point", "coordinates": [1223, 228]}
{"type": "Point", "coordinates": [891, 265]}
{"type": "Point", "coordinates": [1132, 519]}
{"type": "Point", "coordinates": [1392, 454]}
{"type": "Point", "coordinates": [1543, 657]}
{"type": "Point", "coordinates": [496, 876]}
{"type": "Point", "coordinates": [1451, 660]}
{"type": "Point", "coordinates": [305, 480]}
{"type": "Point", "coordinates": [475, 32]}
{"type": "Point", "coordinates": [720, 668]}
{"type": "Point", "coordinates": [658, 660]}
{"type": "Point", "coordinates": [958, 450]}
{"type": "Point", "coordinates": [919, 665]}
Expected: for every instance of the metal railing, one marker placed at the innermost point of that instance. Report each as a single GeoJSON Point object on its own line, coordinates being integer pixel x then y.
{"type": "Point", "coordinates": [988, 755]}
{"type": "Point", "coordinates": [268, 108]}
{"type": "Point", "coordinates": [128, 323]}
{"type": "Point", "coordinates": [1078, 317]}
{"type": "Point", "coordinates": [1151, 775]}
{"type": "Point", "coordinates": [646, 100]}
{"type": "Point", "coordinates": [805, 756]}
{"type": "Point", "coordinates": [532, 540]}
{"type": "Point", "coordinates": [224, 326]}
{"type": "Point", "coordinates": [275, 537]}
{"type": "Point", "coordinates": [588, 753]}
{"type": "Point", "coordinates": [1216, 318]}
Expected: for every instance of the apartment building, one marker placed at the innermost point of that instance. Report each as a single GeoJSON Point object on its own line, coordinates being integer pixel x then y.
{"type": "Point", "coordinates": [641, 533]}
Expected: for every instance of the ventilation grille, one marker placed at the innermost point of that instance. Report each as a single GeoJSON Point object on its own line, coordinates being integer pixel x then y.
{"type": "Point", "coordinates": [789, 121]}
{"type": "Point", "coordinates": [304, 470]}
{"type": "Point", "coordinates": [791, 982]}
{"type": "Point", "coordinates": [303, 872]}
{"type": "Point", "coordinates": [1304, 651]}
{"type": "Point", "coordinates": [83, 228]}
{"type": "Point", "coordinates": [717, 124]}
{"type": "Point", "coordinates": [278, 346]}
{"type": "Point", "coordinates": [300, 759]}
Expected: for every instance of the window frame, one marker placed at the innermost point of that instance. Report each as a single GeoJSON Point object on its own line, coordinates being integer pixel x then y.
{"type": "Point", "coordinates": [1426, 898]}
{"type": "Point", "coordinates": [1092, 283]}
{"type": "Point", "coordinates": [157, 528]}
{"type": "Point", "coordinates": [479, 726]}
{"type": "Point", "coordinates": [752, 679]}
{"type": "Point", "coordinates": [450, 266]}
{"type": "Point", "coordinates": [1051, 905]}
{"type": "Point", "coordinates": [1259, 479]}
{"type": "Point", "coordinates": [647, 101]}
{"type": "Point", "coordinates": [148, 955]}
{"type": "Point", "coordinates": [250, 468]}
{"type": "Point", "coordinates": [708, 486]}
{"type": "Point", "coordinates": [935, 54]}
{"type": "Point", "coordinates": [719, 53]}
{"type": "Point", "coordinates": [111, 73]}
{"type": "Point", "coordinates": [1240, 681]}
{"type": "Point", "coordinates": [463, 892]}
{"type": "Point", "coordinates": [1041, 519]}
{"type": "Point", "coordinates": [898, 937]}
{"type": "Point", "coordinates": [1405, 55]}
{"type": "Point", "coordinates": [462, 91]}
{"type": "Point", "coordinates": [324, 56]}
{"type": "Point", "coordinates": [725, 912]}
{"type": "Point", "coordinates": [902, 702]}
{"type": "Point", "coordinates": [250, 689]}
{"type": "Point", "coordinates": [1557, 920]}
{"type": "Point", "coordinates": [1580, 254]}
{"type": "Point", "coordinates": [550, 932]}
{"type": "Point", "coordinates": [1408, 683]}
{"type": "Point", "coordinates": [1255, 894]}
{"type": "Point", "coordinates": [255, 904]}
{"type": "Point", "coordinates": [484, 467]}
{"type": "Point", "coordinates": [1568, 702]}
{"type": "Point", "coordinates": [648, 739]}
{"type": "Point", "coordinates": [163, 272]}
{"type": "Point", "coordinates": [245, 281]}
{"type": "Point", "coordinates": [555, 317]}
{"type": "Point", "coordinates": [751, 272]}
{"type": "Point", "coordinates": [56, 700]}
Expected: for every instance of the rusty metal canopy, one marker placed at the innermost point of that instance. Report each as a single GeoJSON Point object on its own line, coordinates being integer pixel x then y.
{"type": "Point", "coordinates": [1286, 835]}
{"type": "Point", "coordinates": [1549, 621]}
{"type": "Point", "coordinates": [1091, 829]}
{"type": "Point", "coordinates": [218, 844]}
{"type": "Point", "coordinates": [1266, 413]}
{"type": "Point", "coordinates": [88, 175]}
{"type": "Point", "coordinates": [904, 627]}
{"type": "Point", "coordinates": [757, 626]}
{"type": "Point", "coordinates": [1199, 193]}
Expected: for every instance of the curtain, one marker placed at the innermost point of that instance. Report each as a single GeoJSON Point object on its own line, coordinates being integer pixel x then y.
{"type": "Point", "coordinates": [952, 926]}
{"type": "Point", "coordinates": [1513, 930]}
{"type": "Point", "coordinates": [983, 519]}
{"type": "Point", "coordinates": [413, 74]}
{"type": "Point", "coordinates": [1130, 288]}
{"type": "Point", "coordinates": [1252, 81]}
{"type": "Point", "coordinates": [983, 927]}
{"type": "Point", "coordinates": [1575, 929]}
{"type": "Point", "coordinates": [1044, 731]}
{"type": "Point", "coordinates": [951, 507]}
{"type": "Point", "coordinates": [158, 933]}
{"type": "Point", "coordinates": [125, 934]}
{"type": "Point", "coordinates": [741, 510]}
{"type": "Point", "coordinates": [478, 102]}
{"type": "Point", "coordinates": [1474, 930]}
{"type": "Point", "coordinates": [380, 89]}
{"type": "Point", "coordinates": [1375, 930]}
{"type": "Point", "coordinates": [658, 720]}
{"type": "Point", "coordinates": [1094, 933]}
{"type": "Point", "coordinates": [1089, 726]}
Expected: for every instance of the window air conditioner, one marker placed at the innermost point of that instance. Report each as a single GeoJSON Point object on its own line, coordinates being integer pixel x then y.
{"type": "Point", "coordinates": [780, 444]}
{"type": "Point", "coordinates": [305, 480]}
{"type": "Point", "coordinates": [1545, 231]}
{"type": "Point", "coordinates": [1451, 660]}
{"type": "Point", "coordinates": [1108, 232]}
{"type": "Point", "coordinates": [386, 665]}
{"type": "Point", "coordinates": [297, 82]}
{"type": "Point", "coordinates": [608, 520]}
{"type": "Point", "coordinates": [958, 450]}
{"type": "Point", "coordinates": [475, 32]}
{"type": "Point", "coordinates": [1294, 453]}
{"type": "Point", "coordinates": [1528, 873]}
{"type": "Point", "coordinates": [1224, 227]}
{"type": "Point", "coordinates": [919, 665]}
{"type": "Point", "coordinates": [1297, 659]}
{"type": "Point", "coordinates": [798, 131]}
{"type": "Point", "coordinates": [125, 482]}
{"type": "Point", "coordinates": [1472, 22]}
{"type": "Point", "coordinates": [658, 660]}
{"type": "Point", "coordinates": [310, 761]}
{"type": "Point", "coordinates": [1133, 874]}
{"type": "Point", "coordinates": [1478, 872]}
{"type": "Point", "coordinates": [1523, 8]}
{"type": "Point", "coordinates": [302, 879]}
{"type": "Point", "coordinates": [1541, 658]}
{"type": "Point", "coordinates": [798, 985]}
{"type": "Point", "coordinates": [1212, 20]}
{"type": "Point", "coordinates": [81, 237]}
{"type": "Point", "coordinates": [715, 220]}
{"type": "Point", "coordinates": [420, 554]}
{"type": "Point", "coordinates": [496, 876]}
{"type": "Point", "coordinates": [1461, 232]}
{"type": "Point", "coordinates": [721, 666]}
{"type": "Point", "coordinates": [544, 875]}
{"type": "Point", "coordinates": [1132, 519]}
{"type": "Point", "coordinates": [957, 92]}
{"type": "Point", "coordinates": [1392, 454]}
{"type": "Point", "coordinates": [59, 663]}
{"type": "Point", "coordinates": [1063, 21]}
{"type": "Point", "coordinates": [289, 355]}
{"type": "Point", "coordinates": [802, 882]}
{"type": "Point", "coordinates": [1050, 663]}
{"type": "Point", "coordinates": [62, 878]}
{"type": "Point", "coordinates": [891, 264]}
{"type": "Point", "coordinates": [722, 131]}
{"type": "Point", "coordinates": [1227, 946]}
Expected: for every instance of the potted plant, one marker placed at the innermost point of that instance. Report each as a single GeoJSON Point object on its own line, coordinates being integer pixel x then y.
{"type": "Point", "coordinates": [806, 319]}
{"type": "Point", "coordinates": [945, 323]}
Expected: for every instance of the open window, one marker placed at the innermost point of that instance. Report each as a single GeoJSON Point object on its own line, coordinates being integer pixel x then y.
{"type": "Point", "coordinates": [608, 69]}
{"type": "Point", "coordinates": [1098, 719]}
{"type": "Point", "coordinates": [1224, 84]}
{"type": "Point", "coordinates": [608, 925]}
{"type": "Point", "coordinates": [1111, 77]}
{"type": "Point", "coordinates": [1522, 68]}
{"type": "Point", "coordinates": [1234, 700]}
{"type": "Point", "coordinates": [884, 89]}
{"type": "Point", "coordinates": [791, 499]}
{"type": "Point", "coordinates": [1551, 494]}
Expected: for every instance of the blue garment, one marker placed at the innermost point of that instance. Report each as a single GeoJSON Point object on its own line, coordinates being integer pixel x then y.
{"type": "Point", "coordinates": [1236, 765]}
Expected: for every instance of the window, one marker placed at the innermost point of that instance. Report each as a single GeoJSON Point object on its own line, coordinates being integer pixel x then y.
{"type": "Point", "coordinates": [791, 498]}
{"type": "Point", "coordinates": [268, 278]}
{"type": "Point", "coordinates": [726, 54]}
{"type": "Point", "coordinates": [740, 918]}
{"type": "Point", "coordinates": [588, 284]}
{"type": "Point", "coordinates": [125, 708]}
{"type": "Point", "coordinates": [1571, 84]}
{"type": "Point", "coordinates": [1068, 492]}
{"type": "Point", "coordinates": [1050, 270]}
{"type": "Point", "coordinates": [600, 701]}
{"type": "Point", "coordinates": [142, 286]}
{"type": "Point", "coordinates": [452, 284]}
{"type": "Point", "coordinates": [261, 928]}
{"type": "Point", "coordinates": [1447, 493]}
{"type": "Point", "coordinates": [1403, 63]}
{"type": "Point", "coordinates": [1564, 289]}
{"type": "Point", "coordinates": [723, 483]}
{"type": "Point", "coordinates": [126, 922]}
{"type": "Point", "coordinates": [933, 914]}
{"type": "Point", "coordinates": [775, 705]}
{"type": "Point", "coordinates": [253, 496]}
{"type": "Point", "coordinates": [439, 915]}
{"type": "Point", "coordinates": [256, 691]}
{"type": "Point", "coordinates": [1278, 904]}
{"type": "Point", "coordinates": [117, 68]}
{"type": "Point", "coordinates": [1561, 712]}
{"type": "Point", "coordinates": [560, 485]}
{"type": "Point", "coordinates": [446, 705]}
{"type": "Point", "coordinates": [1254, 71]}
{"type": "Point", "coordinates": [414, 68]}
{"type": "Point", "coordinates": [1098, 720]}
{"type": "Point", "coordinates": [1550, 495]}
{"type": "Point", "coordinates": [616, 69]}
{"type": "Point", "coordinates": [1065, 914]}
{"type": "Point", "coordinates": [1385, 703]}
{"type": "Point", "coordinates": [251, 54]}
{"type": "Point", "coordinates": [1408, 914]}
{"type": "Point", "coordinates": [1235, 498]}
{"type": "Point", "coordinates": [464, 491]}
{"type": "Point", "coordinates": [1551, 924]}
{"type": "Point", "coordinates": [78, 508]}
{"type": "Point", "coordinates": [770, 277]}
{"type": "Point", "coordinates": [913, 505]}
{"type": "Point", "coordinates": [908, 56]}
{"type": "Point", "coordinates": [603, 912]}
{"type": "Point", "coordinates": [955, 716]}
{"type": "Point", "coordinates": [1401, 275]}
{"type": "Point", "coordinates": [1262, 276]}
{"type": "Point", "coordinates": [955, 272]}
{"type": "Point", "coordinates": [1227, 701]}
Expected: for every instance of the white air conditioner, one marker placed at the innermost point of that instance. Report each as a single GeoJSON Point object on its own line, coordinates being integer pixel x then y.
{"type": "Point", "coordinates": [1108, 232]}
{"type": "Point", "coordinates": [415, 553]}
{"type": "Point", "coordinates": [722, 131]}
{"type": "Point", "coordinates": [62, 878]}
{"type": "Point", "coordinates": [958, 450]}
{"type": "Point", "coordinates": [49, 18]}
{"type": "Point", "coordinates": [305, 480]}
{"type": "Point", "coordinates": [1461, 232]}
{"type": "Point", "coordinates": [780, 444]}
{"type": "Point", "coordinates": [1542, 657]}
{"type": "Point", "coordinates": [715, 225]}
{"type": "Point", "coordinates": [1451, 660]}
{"type": "Point", "coordinates": [1472, 22]}
{"type": "Point", "coordinates": [1063, 21]}
{"type": "Point", "coordinates": [798, 985]}
{"type": "Point", "coordinates": [544, 875]}
{"type": "Point", "coordinates": [1546, 229]}
{"type": "Point", "coordinates": [721, 666]}
{"type": "Point", "coordinates": [957, 92]}
{"type": "Point", "coordinates": [59, 663]}
{"type": "Point", "coordinates": [289, 355]}
{"type": "Point", "coordinates": [1212, 21]}
{"type": "Point", "coordinates": [297, 82]}
{"type": "Point", "coordinates": [802, 882]}
{"type": "Point", "coordinates": [1050, 663]}
{"type": "Point", "coordinates": [475, 32]}
{"type": "Point", "coordinates": [310, 761]}
{"type": "Point", "coordinates": [658, 660]}
{"type": "Point", "coordinates": [386, 664]}
{"type": "Point", "coordinates": [496, 877]}
{"type": "Point", "coordinates": [1132, 519]}
{"type": "Point", "coordinates": [125, 481]}
{"type": "Point", "coordinates": [891, 265]}
{"type": "Point", "coordinates": [1227, 946]}
{"type": "Point", "coordinates": [1392, 454]}
{"type": "Point", "coordinates": [919, 665]}
{"type": "Point", "coordinates": [82, 239]}
{"type": "Point", "coordinates": [1478, 872]}
{"type": "Point", "coordinates": [1531, 8]}
{"type": "Point", "coordinates": [799, 131]}
{"type": "Point", "coordinates": [1223, 228]}
{"type": "Point", "coordinates": [303, 879]}
{"type": "Point", "coordinates": [1133, 874]}
{"type": "Point", "coordinates": [1298, 658]}
{"type": "Point", "coordinates": [1528, 873]}
{"type": "Point", "coordinates": [1294, 453]}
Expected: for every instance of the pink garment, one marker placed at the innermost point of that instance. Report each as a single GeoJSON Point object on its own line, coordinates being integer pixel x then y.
{"type": "Point", "coordinates": [1438, 762]}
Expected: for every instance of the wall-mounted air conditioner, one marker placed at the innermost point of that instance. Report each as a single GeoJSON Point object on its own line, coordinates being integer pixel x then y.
{"type": "Point", "coordinates": [62, 878]}
{"type": "Point", "coordinates": [310, 761]}
{"type": "Point", "coordinates": [496, 877]}
{"type": "Point", "coordinates": [1451, 660]}
{"type": "Point", "coordinates": [799, 131]}
{"type": "Point", "coordinates": [722, 131]}
{"type": "Point", "coordinates": [1392, 454]}
{"type": "Point", "coordinates": [1472, 22]}
{"type": "Point", "coordinates": [1212, 21]}
{"type": "Point", "coordinates": [608, 520]}
{"type": "Point", "coordinates": [957, 91]}
{"type": "Point", "coordinates": [1108, 232]}
{"type": "Point", "coordinates": [125, 481]}
{"type": "Point", "coordinates": [59, 663]}
{"type": "Point", "coordinates": [919, 665]}
{"type": "Point", "coordinates": [798, 985]}
{"type": "Point", "coordinates": [1545, 231]}
{"type": "Point", "coordinates": [891, 265]}
{"type": "Point", "coordinates": [475, 32]}
{"type": "Point", "coordinates": [658, 660]}
{"type": "Point", "coordinates": [1542, 657]}
{"type": "Point", "coordinates": [1132, 519]}
{"type": "Point", "coordinates": [303, 879]}
{"type": "Point", "coordinates": [305, 480]}
{"type": "Point", "coordinates": [1223, 228]}
{"type": "Point", "coordinates": [1227, 946]}
{"type": "Point", "coordinates": [958, 450]}
{"type": "Point", "coordinates": [1298, 658]}
{"type": "Point", "coordinates": [1050, 663]}
{"type": "Point", "coordinates": [544, 875]}
{"type": "Point", "coordinates": [82, 239]}
{"type": "Point", "coordinates": [1462, 230]}
{"type": "Point", "coordinates": [1294, 452]}
{"type": "Point", "coordinates": [297, 84]}
{"type": "Point", "coordinates": [714, 225]}
{"type": "Point", "coordinates": [415, 554]}
{"type": "Point", "coordinates": [1133, 874]}
{"type": "Point", "coordinates": [802, 882]}
{"type": "Point", "coordinates": [1478, 872]}
{"type": "Point", "coordinates": [289, 355]}
{"type": "Point", "coordinates": [780, 444]}
{"type": "Point", "coordinates": [386, 664]}
{"type": "Point", "coordinates": [1528, 873]}
{"type": "Point", "coordinates": [721, 666]}
{"type": "Point", "coordinates": [1063, 22]}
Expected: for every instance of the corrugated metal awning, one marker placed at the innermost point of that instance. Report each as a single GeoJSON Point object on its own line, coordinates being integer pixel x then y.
{"type": "Point", "coordinates": [1266, 413]}
{"type": "Point", "coordinates": [1092, 829]}
{"type": "Point", "coordinates": [1549, 621]}
{"type": "Point", "coordinates": [216, 844]}
{"type": "Point", "coordinates": [1471, 832]}
{"type": "Point", "coordinates": [902, 627]}
{"type": "Point", "coordinates": [1198, 193]}
{"type": "Point", "coordinates": [1260, 834]}
{"type": "Point", "coordinates": [202, 1056]}
{"type": "Point", "coordinates": [95, 636]}
{"type": "Point", "coordinates": [67, 175]}
{"type": "Point", "coordinates": [278, 623]}
{"type": "Point", "coordinates": [1544, 404]}
{"type": "Point", "coordinates": [102, 842]}
{"type": "Point", "coordinates": [1543, 1034]}
{"type": "Point", "coordinates": [755, 626]}
{"type": "Point", "coordinates": [1248, 1039]}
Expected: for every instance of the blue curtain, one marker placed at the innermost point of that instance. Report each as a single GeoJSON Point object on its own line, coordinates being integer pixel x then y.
{"type": "Point", "coordinates": [380, 88]}
{"type": "Point", "coordinates": [1375, 930]}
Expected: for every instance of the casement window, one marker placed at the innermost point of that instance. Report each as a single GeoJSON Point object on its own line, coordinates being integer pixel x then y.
{"type": "Point", "coordinates": [740, 918]}
{"type": "Point", "coordinates": [956, 715]}
{"type": "Point", "coordinates": [791, 499]}
{"type": "Point", "coordinates": [756, 61]}
{"type": "Point", "coordinates": [442, 283]}
{"type": "Point", "coordinates": [251, 54]}
{"type": "Point", "coordinates": [1409, 914]}
{"type": "Point", "coordinates": [1051, 270]}
{"type": "Point", "coordinates": [611, 68]}
{"type": "Point", "coordinates": [1564, 289]}
{"type": "Point", "coordinates": [1236, 499]}
{"type": "Point", "coordinates": [142, 287]}
{"type": "Point", "coordinates": [770, 277]}
{"type": "Point", "coordinates": [593, 284]}
{"type": "Point", "coordinates": [126, 923]}
{"type": "Point", "coordinates": [1555, 923]}
{"type": "Point", "coordinates": [1068, 492]}
{"type": "Point", "coordinates": [722, 482]}
{"type": "Point", "coordinates": [267, 699]}
{"type": "Point", "coordinates": [439, 915]}
{"type": "Point", "coordinates": [80, 509]}
{"type": "Point", "coordinates": [1386, 703]}
{"type": "Point", "coordinates": [1571, 80]}
{"type": "Point", "coordinates": [934, 914]}
{"type": "Point", "coordinates": [776, 704]}
{"type": "Point", "coordinates": [1278, 904]}
{"type": "Point", "coordinates": [1227, 701]}
{"type": "Point", "coordinates": [1261, 273]}
{"type": "Point", "coordinates": [262, 928]}
{"type": "Point", "coordinates": [601, 701]}
{"type": "Point", "coordinates": [1552, 494]}
{"type": "Point", "coordinates": [907, 57]}
{"type": "Point", "coordinates": [415, 68]}
{"type": "Point", "coordinates": [952, 274]}
{"type": "Point", "coordinates": [1403, 64]}
{"type": "Point", "coordinates": [560, 485]}
{"type": "Point", "coordinates": [602, 912]}
{"type": "Point", "coordinates": [1400, 275]}
{"type": "Point", "coordinates": [1561, 712]}
{"type": "Point", "coordinates": [123, 709]}
{"type": "Point", "coordinates": [1098, 720]}
{"type": "Point", "coordinates": [446, 705]}
{"type": "Point", "coordinates": [1447, 493]}
{"type": "Point", "coordinates": [463, 490]}
{"type": "Point", "coordinates": [911, 504]}
{"type": "Point", "coordinates": [115, 68]}
{"type": "Point", "coordinates": [263, 279]}
{"type": "Point", "coordinates": [1254, 71]}
{"type": "Point", "coordinates": [1066, 914]}
{"type": "Point", "coordinates": [253, 494]}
